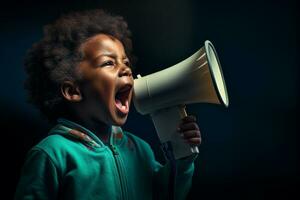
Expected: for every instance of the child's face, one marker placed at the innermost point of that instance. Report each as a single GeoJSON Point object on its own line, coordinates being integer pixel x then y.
{"type": "Point", "coordinates": [107, 80]}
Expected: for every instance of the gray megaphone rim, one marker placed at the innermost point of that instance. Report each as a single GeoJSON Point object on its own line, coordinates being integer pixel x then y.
{"type": "Point", "coordinates": [208, 45]}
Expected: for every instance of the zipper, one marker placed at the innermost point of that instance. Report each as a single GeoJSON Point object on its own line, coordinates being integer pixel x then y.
{"type": "Point", "coordinates": [120, 170]}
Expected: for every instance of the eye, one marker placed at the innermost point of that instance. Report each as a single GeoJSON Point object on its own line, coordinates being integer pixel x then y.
{"type": "Point", "coordinates": [127, 63]}
{"type": "Point", "coordinates": [107, 64]}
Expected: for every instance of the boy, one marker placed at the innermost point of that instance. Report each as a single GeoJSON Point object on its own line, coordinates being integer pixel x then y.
{"type": "Point", "coordinates": [79, 75]}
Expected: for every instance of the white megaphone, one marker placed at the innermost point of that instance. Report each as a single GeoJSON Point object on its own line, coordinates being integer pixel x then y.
{"type": "Point", "coordinates": [197, 79]}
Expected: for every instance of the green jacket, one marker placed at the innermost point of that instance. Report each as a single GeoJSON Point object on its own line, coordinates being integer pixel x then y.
{"type": "Point", "coordinates": [73, 163]}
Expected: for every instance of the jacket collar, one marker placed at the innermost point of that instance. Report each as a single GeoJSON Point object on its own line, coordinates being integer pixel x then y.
{"type": "Point", "coordinates": [70, 128]}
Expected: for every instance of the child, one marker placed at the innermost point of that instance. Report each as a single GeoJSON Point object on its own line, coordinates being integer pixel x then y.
{"type": "Point", "coordinates": [79, 76]}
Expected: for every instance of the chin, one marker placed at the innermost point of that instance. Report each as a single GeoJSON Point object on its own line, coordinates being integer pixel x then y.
{"type": "Point", "coordinates": [119, 121]}
{"type": "Point", "coordinates": [115, 118]}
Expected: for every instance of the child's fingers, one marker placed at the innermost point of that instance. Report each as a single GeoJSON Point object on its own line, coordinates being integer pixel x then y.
{"type": "Point", "coordinates": [188, 126]}
{"type": "Point", "coordinates": [189, 118]}
{"type": "Point", "coordinates": [189, 130]}
{"type": "Point", "coordinates": [194, 141]}
{"type": "Point", "coordinates": [191, 134]}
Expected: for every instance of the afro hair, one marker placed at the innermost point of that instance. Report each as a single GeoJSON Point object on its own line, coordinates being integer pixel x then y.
{"type": "Point", "coordinates": [53, 59]}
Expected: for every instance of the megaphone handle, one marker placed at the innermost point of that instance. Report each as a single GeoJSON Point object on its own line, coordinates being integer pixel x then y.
{"type": "Point", "coordinates": [182, 115]}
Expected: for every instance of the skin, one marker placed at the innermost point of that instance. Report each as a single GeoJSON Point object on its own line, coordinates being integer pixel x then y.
{"type": "Point", "coordinates": [105, 69]}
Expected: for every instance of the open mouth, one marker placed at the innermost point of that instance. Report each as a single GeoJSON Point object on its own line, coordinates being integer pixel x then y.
{"type": "Point", "coordinates": [122, 99]}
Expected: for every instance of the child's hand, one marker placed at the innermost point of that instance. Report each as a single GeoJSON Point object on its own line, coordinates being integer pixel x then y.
{"type": "Point", "coordinates": [189, 130]}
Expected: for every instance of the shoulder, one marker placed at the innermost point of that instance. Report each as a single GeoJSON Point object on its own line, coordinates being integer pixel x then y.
{"type": "Point", "coordinates": [55, 142]}
{"type": "Point", "coordinates": [56, 147]}
{"type": "Point", "coordinates": [139, 143]}
{"type": "Point", "coordinates": [136, 139]}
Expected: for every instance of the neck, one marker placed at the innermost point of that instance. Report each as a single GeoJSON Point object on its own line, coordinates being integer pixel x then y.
{"type": "Point", "coordinates": [97, 127]}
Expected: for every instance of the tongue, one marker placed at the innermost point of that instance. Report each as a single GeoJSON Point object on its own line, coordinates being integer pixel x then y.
{"type": "Point", "coordinates": [120, 105]}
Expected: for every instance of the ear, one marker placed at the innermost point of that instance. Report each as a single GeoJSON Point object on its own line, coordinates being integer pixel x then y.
{"type": "Point", "coordinates": [71, 91]}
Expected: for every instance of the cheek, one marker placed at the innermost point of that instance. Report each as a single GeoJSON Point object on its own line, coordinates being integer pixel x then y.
{"type": "Point", "coordinates": [108, 82]}
{"type": "Point", "coordinates": [104, 85]}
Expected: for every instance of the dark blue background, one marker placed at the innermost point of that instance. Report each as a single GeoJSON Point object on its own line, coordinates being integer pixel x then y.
{"type": "Point", "coordinates": [250, 150]}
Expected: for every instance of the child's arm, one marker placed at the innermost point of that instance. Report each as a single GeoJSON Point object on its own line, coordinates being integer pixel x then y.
{"type": "Point", "coordinates": [185, 167]}
{"type": "Point", "coordinates": [39, 178]}
{"type": "Point", "coordinates": [185, 171]}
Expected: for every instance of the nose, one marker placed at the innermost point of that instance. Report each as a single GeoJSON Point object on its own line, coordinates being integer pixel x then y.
{"type": "Point", "coordinates": [125, 71]}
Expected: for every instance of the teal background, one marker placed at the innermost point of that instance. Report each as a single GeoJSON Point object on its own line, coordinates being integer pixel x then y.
{"type": "Point", "coordinates": [250, 150]}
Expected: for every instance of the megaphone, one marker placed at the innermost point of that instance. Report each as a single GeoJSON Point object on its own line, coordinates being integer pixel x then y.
{"type": "Point", "coordinates": [164, 94]}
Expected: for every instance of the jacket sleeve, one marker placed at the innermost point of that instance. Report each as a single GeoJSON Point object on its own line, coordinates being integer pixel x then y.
{"type": "Point", "coordinates": [183, 180]}
{"type": "Point", "coordinates": [39, 178]}
{"type": "Point", "coordinates": [185, 171]}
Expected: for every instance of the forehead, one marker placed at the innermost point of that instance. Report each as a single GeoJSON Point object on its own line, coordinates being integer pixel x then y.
{"type": "Point", "coordinates": [102, 43]}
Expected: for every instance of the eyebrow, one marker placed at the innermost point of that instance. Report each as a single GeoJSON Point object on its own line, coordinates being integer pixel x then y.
{"type": "Point", "coordinates": [112, 55]}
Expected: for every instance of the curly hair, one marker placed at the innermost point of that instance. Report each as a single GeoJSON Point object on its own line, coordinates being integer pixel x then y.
{"type": "Point", "coordinates": [54, 58]}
